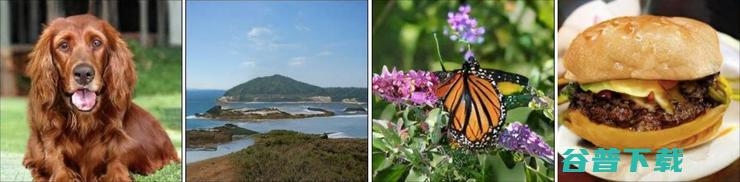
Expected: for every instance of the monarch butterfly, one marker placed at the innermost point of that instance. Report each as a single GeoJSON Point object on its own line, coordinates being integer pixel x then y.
{"type": "Point", "coordinates": [475, 105]}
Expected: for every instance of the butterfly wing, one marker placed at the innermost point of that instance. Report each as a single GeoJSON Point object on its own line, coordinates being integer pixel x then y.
{"type": "Point", "coordinates": [475, 106]}
{"type": "Point", "coordinates": [502, 76]}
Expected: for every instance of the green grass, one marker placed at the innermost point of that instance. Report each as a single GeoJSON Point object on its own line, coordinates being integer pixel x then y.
{"type": "Point", "coordinates": [14, 134]}
{"type": "Point", "coordinates": [166, 108]}
{"type": "Point", "coordinates": [274, 157]}
{"type": "Point", "coordinates": [168, 173]}
{"type": "Point", "coordinates": [158, 69]}
{"type": "Point", "coordinates": [13, 125]}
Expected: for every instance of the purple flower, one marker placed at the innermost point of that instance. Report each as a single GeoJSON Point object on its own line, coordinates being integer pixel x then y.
{"type": "Point", "coordinates": [388, 85]}
{"type": "Point", "coordinates": [423, 87]}
{"type": "Point", "coordinates": [464, 9]}
{"type": "Point", "coordinates": [464, 27]}
{"type": "Point", "coordinates": [518, 137]}
{"type": "Point", "coordinates": [414, 87]}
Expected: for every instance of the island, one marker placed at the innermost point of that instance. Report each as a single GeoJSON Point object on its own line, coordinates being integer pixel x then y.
{"type": "Point", "coordinates": [243, 114]}
{"type": "Point", "coordinates": [279, 88]}
{"type": "Point", "coordinates": [282, 155]}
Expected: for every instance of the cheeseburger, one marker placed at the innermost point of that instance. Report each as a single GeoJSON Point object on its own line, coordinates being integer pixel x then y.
{"type": "Point", "coordinates": [645, 82]}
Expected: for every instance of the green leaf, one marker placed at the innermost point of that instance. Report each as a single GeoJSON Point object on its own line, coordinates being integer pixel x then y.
{"type": "Point", "coordinates": [413, 156]}
{"type": "Point", "coordinates": [533, 173]}
{"type": "Point", "coordinates": [388, 112]}
{"type": "Point", "coordinates": [498, 171]}
{"type": "Point", "coordinates": [433, 120]}
{"type": "Point", "coordinates": [532, 163]}
{"type": "Point", "coordinates": [393, 173]}
{"type": "Point", "coordinates": [529, 174]}
{"type": "Point", "coordinates": [488, 170]}
{"type": "Point", "coordinates": [518, 114]}
{"type": "Point", "coordinates": [549, 113]}
{"type": "Point", "coordinates": [433, 117]}
{"type": "Point", "coordinates": [507, 158]}
{"type": "Point", "coordinates": [406, 114]}
{"type": "Point", "coordinates": [379, 161]}
{"type": "Point", "coordinates": [416, 176]}
{"type": "Point", "coordinates": [437, 159]}
{"type": "Point", "coordinates": [379, 126]}
{"type": "Point", "coordinates": [392, 138]}
{"type": "Point", "coordinates": [380, 145]}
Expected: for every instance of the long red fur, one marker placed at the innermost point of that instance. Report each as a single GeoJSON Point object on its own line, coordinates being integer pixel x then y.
{"type": "Point", "coordinates": [117, 138]}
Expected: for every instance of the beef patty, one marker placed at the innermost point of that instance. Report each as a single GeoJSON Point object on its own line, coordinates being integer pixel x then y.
{"type": "Point", "coordinates": [618, 110]}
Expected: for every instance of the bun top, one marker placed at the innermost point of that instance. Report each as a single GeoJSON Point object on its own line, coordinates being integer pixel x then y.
{"type": "Point", "coordinates": [643, 47]}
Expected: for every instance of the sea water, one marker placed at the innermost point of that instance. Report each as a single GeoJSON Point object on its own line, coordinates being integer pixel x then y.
{"type": "Point", "coordinates": [339, 126]}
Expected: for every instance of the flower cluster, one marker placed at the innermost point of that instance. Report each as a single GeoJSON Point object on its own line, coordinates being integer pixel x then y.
{"type": "Point", "coordinates": [414, 87]}
{"type": "Point", "coordinates": [518, 137]}
{"type": "Point", "coordinates": [464, 27]}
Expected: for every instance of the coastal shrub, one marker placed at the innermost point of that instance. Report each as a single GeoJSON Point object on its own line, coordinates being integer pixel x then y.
{"type": "Point", "coordinates": [295, 156]}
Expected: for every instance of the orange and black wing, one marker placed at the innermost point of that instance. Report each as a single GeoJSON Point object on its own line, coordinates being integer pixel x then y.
{"type": "Point", "coordinates": [475, 108]}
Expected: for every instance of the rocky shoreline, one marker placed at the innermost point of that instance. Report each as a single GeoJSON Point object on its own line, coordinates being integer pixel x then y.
{"type": "Point", "coordinates": [355, 110]}
{"type": "Point", "coordinates": [208, 139]}
{"type": "Point", "coordinates": [218, 112]}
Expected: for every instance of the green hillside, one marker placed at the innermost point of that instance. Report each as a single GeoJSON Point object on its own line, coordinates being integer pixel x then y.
{"type": "Point", "coordinates": [340, 93]}
{"type": "Point", "coordinates": [278, 88]}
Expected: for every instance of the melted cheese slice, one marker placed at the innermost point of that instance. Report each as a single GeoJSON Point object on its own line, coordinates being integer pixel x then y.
{"type": "Point", "coordinates": [634, 88]}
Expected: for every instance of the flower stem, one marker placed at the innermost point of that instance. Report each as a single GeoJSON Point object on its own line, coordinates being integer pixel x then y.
{"type": "Point", "coordinates": [439, 54]}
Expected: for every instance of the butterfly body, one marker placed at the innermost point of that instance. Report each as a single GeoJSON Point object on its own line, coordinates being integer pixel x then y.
{"type": "Point", "coordinates": [476, 108]}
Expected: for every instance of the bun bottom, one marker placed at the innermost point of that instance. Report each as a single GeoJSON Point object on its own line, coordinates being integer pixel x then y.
{"type": "Point", "coordinates": [688, 135]}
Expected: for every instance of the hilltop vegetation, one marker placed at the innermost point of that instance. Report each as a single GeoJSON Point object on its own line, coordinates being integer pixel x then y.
{"type": "Point", "coordinates": [279, 88]}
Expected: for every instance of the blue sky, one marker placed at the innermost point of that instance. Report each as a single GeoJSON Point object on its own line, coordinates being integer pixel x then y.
{"type": "Point", "coordinates": [321, 43]}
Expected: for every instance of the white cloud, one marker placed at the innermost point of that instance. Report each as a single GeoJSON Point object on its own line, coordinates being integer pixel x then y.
{"type": "Point", "coordinates": [324, 53]}
{"type": "Point", "coordinates": [297, 61]}
{"type": "Point", "coordinates": [302, 28]}
{"type": "Point", "coordinates": [249, 63]}
{"type": "Point", "coordinates": [259, 33]}
{"type": "Point", "coordinates": [263, 38]}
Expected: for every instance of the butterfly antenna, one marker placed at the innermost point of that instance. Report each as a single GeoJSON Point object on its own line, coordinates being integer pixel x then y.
{"type": "Point", "coordinates": [439, 54]}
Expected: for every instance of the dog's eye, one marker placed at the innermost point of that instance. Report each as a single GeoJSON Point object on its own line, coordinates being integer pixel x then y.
{"type": "Point", "coordinates": [64, 46]}
{"type": "Point", "coordinates": [96, 43]}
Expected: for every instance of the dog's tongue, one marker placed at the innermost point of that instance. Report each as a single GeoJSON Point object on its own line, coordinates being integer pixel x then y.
{"type": "Point", "coordinates": [83, 99]}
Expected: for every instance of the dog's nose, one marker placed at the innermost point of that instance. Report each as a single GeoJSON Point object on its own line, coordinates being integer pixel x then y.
{"type": "Point", "coordinates": [84, 74]}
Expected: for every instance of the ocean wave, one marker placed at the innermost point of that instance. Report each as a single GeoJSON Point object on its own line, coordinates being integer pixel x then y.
{"type": "Point", "coordinates": [192, 117]}
{"type": "Point", "coordinates": [350, 116]}
{"type": "Point", "coordinates": [339, 135]}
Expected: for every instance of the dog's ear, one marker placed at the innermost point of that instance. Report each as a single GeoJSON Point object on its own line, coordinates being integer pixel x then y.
{"type": "Point", "coordinates": [120, 74]}
{"type": "Point", "coordinates": [43, 72]}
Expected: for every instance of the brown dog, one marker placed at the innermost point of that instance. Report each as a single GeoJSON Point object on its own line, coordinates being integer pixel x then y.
{"type": "Point", "coordinates": [84, 125]}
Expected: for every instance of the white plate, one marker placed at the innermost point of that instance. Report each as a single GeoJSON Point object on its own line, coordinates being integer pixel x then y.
{"type": "Point", "coordinates": [698, 162]}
